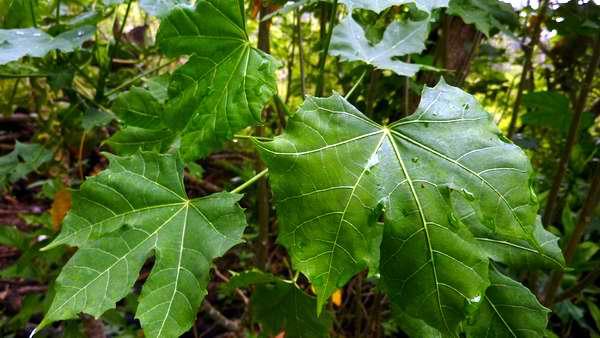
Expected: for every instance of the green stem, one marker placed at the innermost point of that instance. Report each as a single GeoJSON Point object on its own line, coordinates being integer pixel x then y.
{"type": "Point", "coordinates": [323, 57]}
{"type": "Point", "coordinates": [362, 76]}
{"type": "Point", "coordinates": [32, 10]}
{"type": "Point", "coordinates": [134, 79]}
{"type": "Point", "coordinates": [260, 138]}
{"type": "Point", "coordinates": [57, 12]}
{"type": "Point", "coordinates": [250, 182]}
{"type": "Point", "coordinates": [105, 70]}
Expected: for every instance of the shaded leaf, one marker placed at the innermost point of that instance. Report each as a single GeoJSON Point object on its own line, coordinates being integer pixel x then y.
{"type": "Point", "coordinates": [509, 310]}
{"type": "Point", "coordinates": [135, 208]}
{"type": "Point", "coordinates": [24, 159]}
{"type": "Point", "coordinates": [487, 15]}
{"type": "Point", "coordinates": [349, 169]}
{"type": "Point", "coordinates": [225, 83]}
{"type": "Point", "coordinates": [279, 305]}
{"type": "Point", "coordinates": [138, 108]}
{"type": "Point", "coordinates": [17, 43]}
{"type": "Point", "coordinates": [551, 110]}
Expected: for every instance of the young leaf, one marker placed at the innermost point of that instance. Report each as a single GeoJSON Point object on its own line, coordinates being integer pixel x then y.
{"type": "Point", "coordinates": [226, 82]}
{"type": "Point", "coordinates": [281, 306]}
{"type": "Point", "coordinates": [509, 310]}
{"type": "Point", "coordinates": [350, 43]}
{"type": "Point", "coordinates": [17, 43]}
{"type": "Point", "coordinates": [24, 159]}
{"type": "Point", "coordinates": [348, 168]}
{"type": "Point", "coordinates": [137, 107]}
{"type": "Point", "coordinates": [136, 207]}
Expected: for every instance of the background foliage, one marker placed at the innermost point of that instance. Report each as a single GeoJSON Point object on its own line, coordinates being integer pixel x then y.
{"type": "Point", "coordinates": [189, 98]}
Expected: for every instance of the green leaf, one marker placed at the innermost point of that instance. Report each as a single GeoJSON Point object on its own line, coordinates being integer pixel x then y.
{"type": "Point", "coordinates": [399, 39]}
{"type": "Point", "coordinates": [136, 207]}
{"type": "Point", "coordinates": [93, 117]}
{"type": "Point", "coordinates": [378, 6]}
{"type": "Point", "coordinates": [138, 108]}
{"type": "Point", "coordinates": [515, 251]}
{"type": "Point", "coordinates": [486, 15]}
{"type": "Point", "coordinates": [509, 310]}
{"type": "Point", "coordinates": [279, 305]}
{"type": "Point", "coordinates": [551, 110]}
{"type": "Point", "coordinates": [131, 139]}
{"type": "Point", "coordinates": [347, 169]}
{"type": "Point", "coordinates": [17, 43]}
{"type": "Point", "coordinates": [24, 159]}
{"type": "Point", "coordinates": [226, 82]}
{"type": "Point", "coordinates": [161, 8]}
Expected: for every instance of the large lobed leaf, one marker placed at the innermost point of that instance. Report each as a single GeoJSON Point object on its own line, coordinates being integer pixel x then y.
{"type": "Point", "coordinates": [350, 43]}
{"type": "Point", "coordinates": [226, 82]}
{"type": "Point", "coordinates": [422, 173]}
{"type": "Point", "coordinates": [20, 42]}
{"type": "Point", "coordinates": [135, 208]}
{"type": "Point", "coordinates": [349, 40]}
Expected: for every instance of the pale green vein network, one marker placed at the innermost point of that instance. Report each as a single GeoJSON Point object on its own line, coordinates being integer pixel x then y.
{"type": "Point", "coordinates": [348, 169]}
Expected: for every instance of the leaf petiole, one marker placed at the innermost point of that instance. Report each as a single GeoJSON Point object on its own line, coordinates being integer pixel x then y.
{"type": "Point", "coordinates": [250, 181]}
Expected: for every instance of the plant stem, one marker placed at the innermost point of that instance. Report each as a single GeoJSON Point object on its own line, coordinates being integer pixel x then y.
{"type": "Point", "coordinates": [325, 51]}
{"type": "Point", "coordinates": [300, 52]}
{"type": "Point", "coordinates": [527, 65]}
{"type": "Point", "coordinates": [249, 182]}
{"type": "Point", "coordinates": [589, 279]}
{"type": "Point", "coordinates": [57, 12]}
{"type": "Point", "coordinates": [111, 53]}
{"type": "Point", "coordinates": [585, 216]}
{"type": "Point", "coordinates": [370, 100]}
{"type": "Point", "coordinates": [351, 91]}
{"type": "Point", "coordinates": [262, 194]}
{"type": "Point", "coordinates": [252, 137]}
{"type": "Point", "coordinates": [32, 12]}
{"type": "Point", "coordinates": [137, 77]}
{"type": "Point", "coordinates": [549, 211]}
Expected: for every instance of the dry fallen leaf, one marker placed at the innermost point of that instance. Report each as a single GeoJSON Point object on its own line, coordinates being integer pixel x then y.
{"type": "Point", "coordinates": [60, 207]}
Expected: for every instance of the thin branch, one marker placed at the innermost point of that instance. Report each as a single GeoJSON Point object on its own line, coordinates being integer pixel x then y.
{"type": "Point", "coordinates": [300, 52]}
{"type": "Point", "coordinates": [550, 211]}
{"type": "Point", "coordinates": [585, 217]}
{"type": "Point", "coordinates": [325, 51]}
{"type": "Point", "coordinates": [527, 64]}
{"type": "Point", "coordinates": [219, 318]}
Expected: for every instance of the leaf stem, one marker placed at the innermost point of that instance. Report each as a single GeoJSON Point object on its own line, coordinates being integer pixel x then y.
{"type": "Point", "coordinates": [104, 71]}
{"type": "Point", "coordinates": [250, 182]}
{"type": "Point", "coordinates": [362, 76]}
{"type": "Point", "coordinates": [260, 138]}
{"type": "Point", "coordinates": [139, 76]}
{"type": "Point", "coordinates": [323, 57]}
{"type": "Point", "coordinates": [300, 52]}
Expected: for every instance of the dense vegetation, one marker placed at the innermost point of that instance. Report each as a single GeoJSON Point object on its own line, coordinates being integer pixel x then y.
{"type": "Point", "coordinates": [351, 168]}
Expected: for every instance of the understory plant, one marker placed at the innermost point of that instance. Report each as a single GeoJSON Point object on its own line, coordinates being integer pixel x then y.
{"type": "Point", "coordinates": [432, 207]}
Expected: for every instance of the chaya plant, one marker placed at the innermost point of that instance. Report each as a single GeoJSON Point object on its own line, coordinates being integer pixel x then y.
{"type": "Point", "coordinates": [436, 205]}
